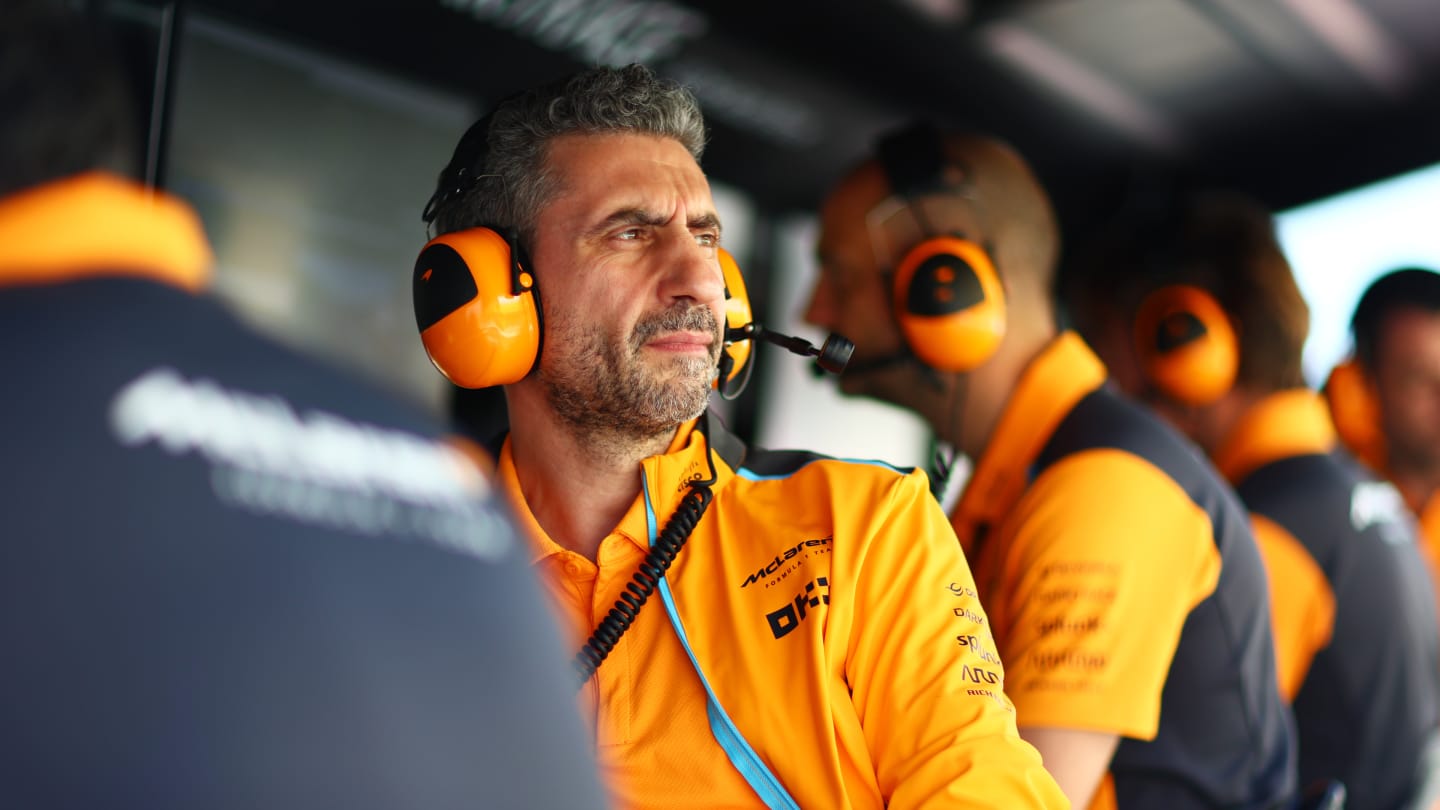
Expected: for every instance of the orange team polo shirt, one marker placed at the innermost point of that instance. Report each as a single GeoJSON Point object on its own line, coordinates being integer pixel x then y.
{"type": "Point", "coordinates": [687, 758]}
{"type": "Point", "coordinates": [889, 690]}
{"type": "Point", "coordinates": [1302, 603]}
{"type": "Point", "coordinates": [1085, 609]}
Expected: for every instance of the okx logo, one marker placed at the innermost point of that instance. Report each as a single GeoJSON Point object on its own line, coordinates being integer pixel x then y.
{"type": "Point", "coordinates": [816, 593]}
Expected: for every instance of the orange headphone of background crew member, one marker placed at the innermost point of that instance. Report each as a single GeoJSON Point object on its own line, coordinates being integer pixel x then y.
{"type": "Point", "coordinates": [478, 307]}
{"type": "Point", "coordinates": [1355, 410]}
{"type": "Point", "coordinates": [945, 292]}
{"type": "Point", "coordinates": [1189, 352]}
{"type": "Point", "coordinates": [1186, 345]}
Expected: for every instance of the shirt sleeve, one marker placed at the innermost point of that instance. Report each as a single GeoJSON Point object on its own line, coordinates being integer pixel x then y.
{"type": "Point", "coordinates": [925, 678]}
{"type": "Point", "coordinates": [1108, 557]}
{"type": "Point", "coordinates": [1302, 605]}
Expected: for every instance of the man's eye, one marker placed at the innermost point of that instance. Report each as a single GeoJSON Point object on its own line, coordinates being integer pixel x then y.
{"type": "Point", "coordinates": [629, 235]}
{"type": "Point", "coordinates": [707, 239]}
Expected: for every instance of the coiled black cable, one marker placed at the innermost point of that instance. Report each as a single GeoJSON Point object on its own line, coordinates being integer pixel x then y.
{"type": "Point", "coordinates": [647, 576]}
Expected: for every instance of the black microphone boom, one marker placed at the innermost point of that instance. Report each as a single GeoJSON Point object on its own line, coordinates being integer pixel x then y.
{"type": "Point", "coordinates": [832, 356]}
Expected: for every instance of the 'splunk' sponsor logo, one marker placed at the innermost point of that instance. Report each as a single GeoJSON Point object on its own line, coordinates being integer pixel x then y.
{"type": "Point", "coordinates": [978, 648]}
{"type": "Point", "coordinates": [781, 558]}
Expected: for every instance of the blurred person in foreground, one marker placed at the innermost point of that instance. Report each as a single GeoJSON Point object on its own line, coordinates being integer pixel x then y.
{"type": "Point", "coordinates": [230, 577]}
{"type": "Point", "coordinates": [765, 629]}
{"type": "Point", "coordinates": [1196, 310]}
{"type": "Point", "coordinates": [1123, 585]}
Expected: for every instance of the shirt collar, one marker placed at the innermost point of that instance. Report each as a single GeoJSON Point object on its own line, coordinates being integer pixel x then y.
{"type": "Point", "coordinates": [1051, 385]}
{"type": "Point", "coordinates": [98, 224]}
{"type": "Point", "coordinates": [1287, 423]}
{"type": "Point", "coordinates": [667, 476]}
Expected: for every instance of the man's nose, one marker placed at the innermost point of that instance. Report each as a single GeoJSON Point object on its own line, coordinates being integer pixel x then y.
{"type": "Point", "coordinates": [820, 310]}
{"type": "Point", "coordinates": [694, 272]}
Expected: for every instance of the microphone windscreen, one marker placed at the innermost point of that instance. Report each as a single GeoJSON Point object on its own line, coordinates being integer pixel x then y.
{"type": "Point", "coordinates": [835, 354]}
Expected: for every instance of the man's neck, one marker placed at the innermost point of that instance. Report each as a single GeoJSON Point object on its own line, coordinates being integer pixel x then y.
{"type": "Point", "coordinates": [1213, 426]}
{"type": "Point", "coordinates": [985, 394]}
{"type": "Point", "coordinates": [577, 485]}
{"type": "Point", "coordinates": [1416, 485]}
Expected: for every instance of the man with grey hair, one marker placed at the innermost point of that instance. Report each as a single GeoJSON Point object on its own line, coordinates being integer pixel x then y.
{"type": "Point", "coordinates": [819, 642]}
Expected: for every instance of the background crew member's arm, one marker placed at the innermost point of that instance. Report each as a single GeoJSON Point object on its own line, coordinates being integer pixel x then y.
{"type": "Point", "coordinates": [1302, 604]}
{"type": "Point", "coordinates": [1077, 759]}
{"type": "Point", "coordinates": [1109, 556]}
{"type": "Point", "coordinates": [925, 678]}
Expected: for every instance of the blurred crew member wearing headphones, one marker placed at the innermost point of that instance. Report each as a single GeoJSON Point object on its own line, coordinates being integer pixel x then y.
{"type": "Point", "coordinates": [1198, 311]}
{"type": "Point", "coordinates": [1386, 399]}
{"type": "Point", "coordinates": [1121, 579]}
{"type": "Point", "coordinates": [765, 629]}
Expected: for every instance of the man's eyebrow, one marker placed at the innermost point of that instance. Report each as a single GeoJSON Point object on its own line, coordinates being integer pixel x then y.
{"type": "Point", "coordinates": [702, 222]}
{"type": "Point", "coordinates": [640, 216]}
{"type": "Point", "coordinates": [628, 216]}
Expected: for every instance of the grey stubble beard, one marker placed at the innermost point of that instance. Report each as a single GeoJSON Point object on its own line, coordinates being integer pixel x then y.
{"type": "Point", "coordinates": [608, 395]}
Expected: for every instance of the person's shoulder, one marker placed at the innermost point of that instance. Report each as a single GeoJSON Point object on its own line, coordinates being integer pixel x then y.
{"type": "Point", "coordinates": [222, 347]}
{"type": "Point", "coordinates": [1106, 423]}
{"type": "Point", "coordinates": [1331, 502]}
{"type": "Point", "coordinates": [1105, 419]}
{"type": "Point", "coordinates": [1112, 464]}
{"type": "Point", "coordinates": [871, 491]}
{"type": "Point", "coordinates": [762, 464]}
{"type": "Point", "coordinates": [288, 435]}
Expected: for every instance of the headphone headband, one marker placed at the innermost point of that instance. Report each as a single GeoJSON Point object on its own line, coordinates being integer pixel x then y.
{"type": "Point", "coordinates": [913, 159]}
{"type": "Point", "coordinates": [461, 174]}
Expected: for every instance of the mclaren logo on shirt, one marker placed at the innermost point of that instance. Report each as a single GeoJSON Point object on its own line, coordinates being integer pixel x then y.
{"type": "Point", "coordinates": [273, 458]}
{"type": "Point", "coordinates": [796, 552]}
{"type": "Point", "coordinates": [1379, 504]}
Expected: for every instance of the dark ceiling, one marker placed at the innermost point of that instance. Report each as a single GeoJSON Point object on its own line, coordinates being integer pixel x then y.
{"type": "Point", "coordinates": [1289, 100]}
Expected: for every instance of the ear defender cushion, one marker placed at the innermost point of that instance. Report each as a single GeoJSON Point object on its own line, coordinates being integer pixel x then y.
{"type": "Point", "coordinates": [735, 362]}
{"type": "Point", "coordinates": [1186, 346]}
{"type": "Point", "coordinates": [949, 303]}
{"type": "Point", "coordinates": [476, 309]}
{"type": "Point", "coordinates": [1356, 413]}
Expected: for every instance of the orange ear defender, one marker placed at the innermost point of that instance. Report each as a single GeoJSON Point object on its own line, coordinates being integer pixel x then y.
{"type": "Point", "coordinates": [1356, 413]}
{"type": "Point", "coordinates": [947, 295]}
{"type": "Point", "coordinates": [735, 360]}
{"type": "Point", "coordinates": [949, 303]}
{"type": "Point", "coordinates": [477, 308]}
{"type": "Point", "coordinates": [1186, 345]}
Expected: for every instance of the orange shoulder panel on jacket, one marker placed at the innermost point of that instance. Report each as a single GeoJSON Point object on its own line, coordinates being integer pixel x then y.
{"type": "Point", "coordinates": [1302, 605]}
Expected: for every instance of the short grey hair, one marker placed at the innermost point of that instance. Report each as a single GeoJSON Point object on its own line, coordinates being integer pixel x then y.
{"type": "Point", "coordinates": [510, 182]}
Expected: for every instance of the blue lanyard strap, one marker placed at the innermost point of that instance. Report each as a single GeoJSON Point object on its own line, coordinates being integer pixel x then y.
{"type": "Point", "coordinates": [731, 741]}
{"type": "Point", "coordinates": [736, 747]}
